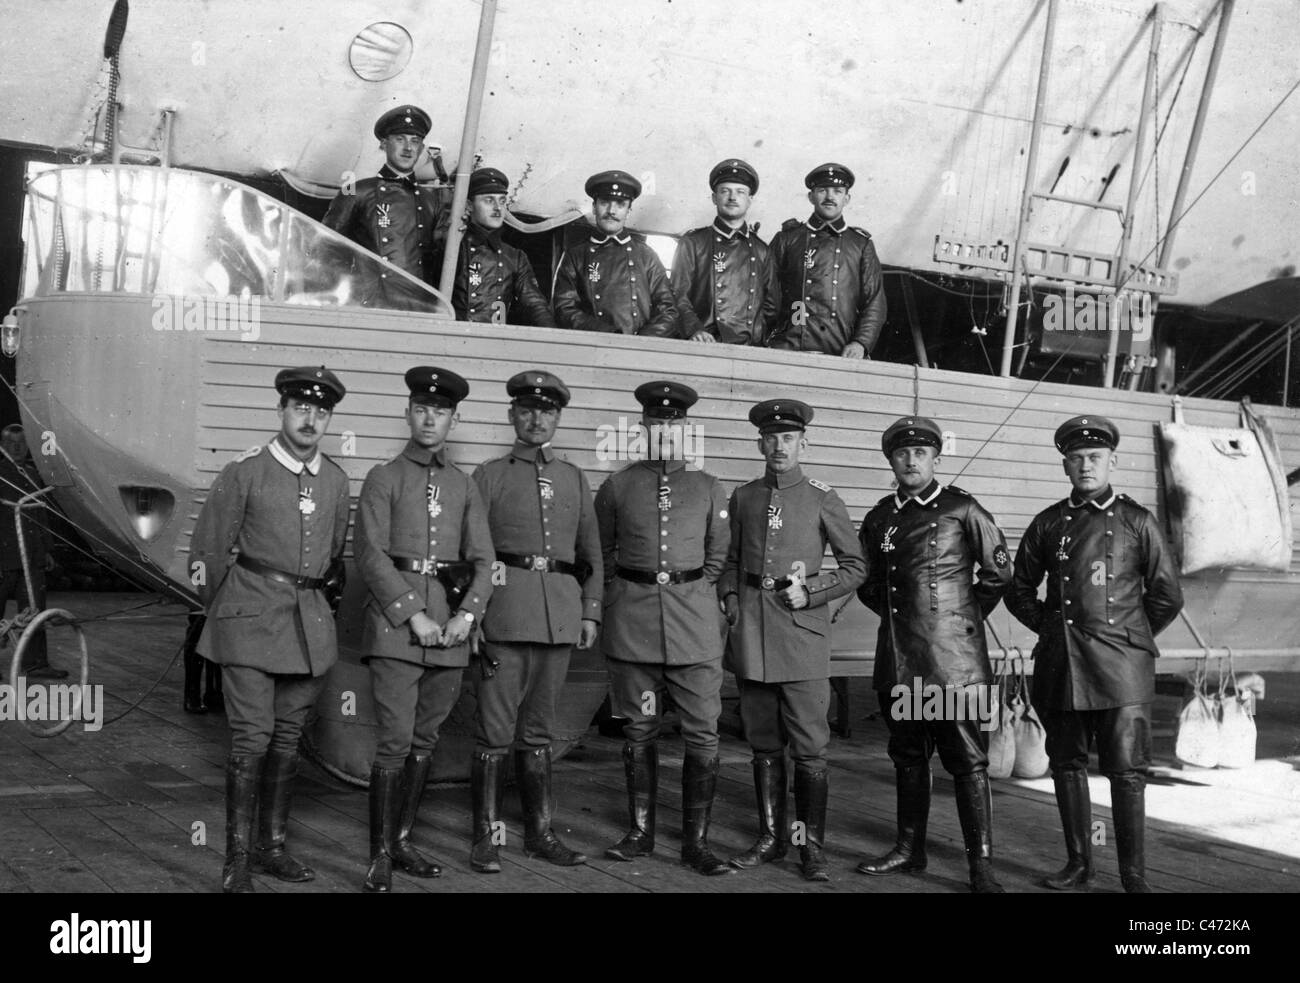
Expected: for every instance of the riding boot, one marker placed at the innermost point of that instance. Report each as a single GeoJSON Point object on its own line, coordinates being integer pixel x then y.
{"type": "Point", "coordinates": [385, 796]}
{"type": "Point", "coordinates": [214, 699]}
{"type": "Point", "coordinates": [485, 796]}
{"type": "Point", "coordinates": [533, 772]}
{"type": "Point", "coordinates": [641, 766]}
{"type": "Point", "coordinates": [1076, 819]}
{"type": "Point", "coordinates": [415, 773]}
{"type": "Point", "coordinates": [193, 699]}
{"type": "Point", "coordinates": [908, 855]}
{"type": "Point", "coordinates": [1128, 807]}
{"type": "Point", "coordinates": [975, 810]}
{"type": "Point", "coordinates": [810, 793]}
{"type": "Point", "coordinates": [243, 775]}
{"type": "Point", "coordinates": [277, 792]}
{"type": "Point", "coordinates": [699, 782]}
{"type": "Point", "coordinates": [769, 790]}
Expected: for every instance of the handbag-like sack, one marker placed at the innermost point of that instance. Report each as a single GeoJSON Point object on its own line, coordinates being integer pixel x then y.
{"type": "Point", "coordinates": [1197, 739]}
{"type": "Point", "coordinates": [1236, 724]}
{"type": "Point", "coordinates": [1030, 735]}
{"type": "Point", "coordinates": [1002, 741]}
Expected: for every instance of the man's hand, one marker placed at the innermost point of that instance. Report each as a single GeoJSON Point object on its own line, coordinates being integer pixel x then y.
{"type": "Point", "coordinates": [795, 596]}
{"type": "Point", "coordinates": [456, 630]}
{"type": "Point", "coordinates": [853, 349]}
{"type": "Point", "coordinates": [731, 608]}
{"type": "Point", "coordinates": [425, 629]}
{"type": "Point", "coordinates": [704, 338]}
{"type": "Point", "coordinates": [589, 632]}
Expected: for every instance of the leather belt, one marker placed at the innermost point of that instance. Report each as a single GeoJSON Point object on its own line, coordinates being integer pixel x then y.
{"type": "Point", "coordinates": [271, 573]}
{"type": "Point", "coordinates": [660, 577]}
{"type": "Point", "coordinates": [767, 583]}
{"type": "Point", "coordinates": [545, 564]}
{"type": "Point", "coordinates": [432, 568]}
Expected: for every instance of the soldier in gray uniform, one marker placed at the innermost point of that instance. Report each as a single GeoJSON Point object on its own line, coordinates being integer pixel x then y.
{"type": "Point", "coordinates": [268, 541]}
{"type": "Point", "coordinates": [937, 566]}
{"type": "Point", "coordinates": [1111, 589]}
{"type": "Point", "coordinates": [423, 548]}
{"type": "Point", "coordinates": [663, 530]}
{"type": "Point", "coordinates": [546, 599]}
{"type": "Point", "coordinates": [776, 597]}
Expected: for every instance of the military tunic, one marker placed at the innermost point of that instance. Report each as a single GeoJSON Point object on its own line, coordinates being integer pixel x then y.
{"type": "Point", "coordinates": [614, 284]}
{"type": "Point", "coordinates": [493, 276]}
{"type": "Point", "coordinates": [832, 289]}
{"type": "Point", "coordinates": [660, 517]}
{"type": "Point", "coordinates": [725, 284]}
{"type": "Point", "coordinates": [921, 553]}
{"type": "Point", "coordinates": [400, 220]}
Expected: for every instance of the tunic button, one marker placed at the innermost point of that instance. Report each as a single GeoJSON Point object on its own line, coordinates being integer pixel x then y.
{"type": "Point", "coordinates": [1066, 579]}
{"type": "Point", "coordinates": [663, 532]}
{"type": "Point", "coordinates": [1110, 621]}
{"type": "Point", "coordinates": [1110, 513]}
{"type": "Point", "coordinates": [934, 585]}
{"type": "Point", "coordinates": [1109, 533]}
{"type": "Point", "coordinates": [934, 525]}
{"type": "Point", "coordinates": [664, 547]}
{"type": "Point", "coordinates": [894, 589]}
{"type": "Point", "coordinates": [1069, 602]}
{"type": "Point", "coordinates": [1069, 621]}
{"type": "Point", "coordinates": [895, 610]}
{"type": "Point", "coordinates": [1069, 518]}
{"type": "Point", "coordinates": [1111, 600]}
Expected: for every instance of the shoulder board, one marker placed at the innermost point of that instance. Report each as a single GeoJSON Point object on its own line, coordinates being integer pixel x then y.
{"type": "Point", "coordinates": [887, 500]}
{"type": "Point", "coordinates": [862, 232]}
{"type": "Point", "coordinates": [958, 491]}
{"type": "Point", "coordinates": [791, 223]}
{"type": "Point", "coordinates": [819, 484]}
{"type": "Point", "coordinates": [1124, 498]}
{"type": "Point", "coordinates": [329, 460]}
{"type": "Point", "coordinates": [250, 453]}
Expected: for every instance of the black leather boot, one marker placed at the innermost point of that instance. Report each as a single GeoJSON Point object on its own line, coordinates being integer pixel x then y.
{"type": "Point", "coordinates": [533, 772]}
{"type": "Point", "coordinates": [277, 793]}
{"type": "Point", "coordinates": [385, 794]}
{"type": "Point", "coordinates": [214, 699]}
{"type": "Point", "coordinates": [193, 699]}
{"type": "Point", "coordinates": [1128, 807]}
{"type": "Point", "coordinates": [641, 766]}
{"type": "Point", "coordinates": [699, 782]}
{"type": "Point", "coordinates": [485, 795]}
{"type": "Point", "coordinates": [1075, 807]}
{"type": "Point", "coordinates": [810, 792]}
{"type": "Point", "coordinates": [908, 854]}
{"type": "Point", "coordinates": [415, 774]}
{"type": "Point", "coordinates": [769, 790]}
{"type": "Point", "coordinates": [243, 776]}
{"type": "Point", "coordinates": [975, 810]}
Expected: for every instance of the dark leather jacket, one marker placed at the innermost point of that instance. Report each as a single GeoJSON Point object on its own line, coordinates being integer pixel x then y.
{"type": "Point", "coordinates": [725, 284]}
{"type": "Point", "coordinates": [831, 271]}
{"type": "Point", "coordinates": [494, 276]}
{"type": "Point", "coordinates": [920, 556]}
{"type": "Point", "coordinates": [614, 283]}
{"type": "Point", "coordinates": [1111, 588]}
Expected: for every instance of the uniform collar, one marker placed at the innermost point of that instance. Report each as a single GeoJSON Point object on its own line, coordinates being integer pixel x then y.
{"type": "Point", "coordinates": [925, 498]}
{"type": "Point", "coordinates": [388, 174]}
{"type": "Point", "coordinates": [722, 229]}
{"type": "Point", "coordinates": [668, 466]}
{"type": "Point", "coordinates": [788, 480]}
{"type": "Point", "coordinates": [491, 236]}
{"type": "Point", "coordinates": [622, 240]}
{"type": "Point", "coordinates": [283, 455]}
{"type": "Point", "coordinates": [1101, 503]}
{"type": "Point", "coordinates": [530, 453]}
{"type": "Point", "coordinates": [423, 456]}
{"type": "Point", "coordinates": [838, 226]}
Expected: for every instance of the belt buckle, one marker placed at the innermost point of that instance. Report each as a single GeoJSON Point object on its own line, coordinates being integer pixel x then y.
{"type": "Point", "coordinates": [769, 583]}
{"type": "Point", "coordinates": [428, 568]}
{"type": "Point", "coordinates": [662, 577]}
{"type": "Point", "coordinates": [540, 564]}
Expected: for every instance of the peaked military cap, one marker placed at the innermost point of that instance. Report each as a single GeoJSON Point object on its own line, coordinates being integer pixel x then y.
{"type": "Point", "coordinates": [666, 399]}
{"type": "Point", "coordinates": [613, 184]}
{"type": "Point", "coordinates": [911, 431]}
{"type": "Point", "coordinates": [436, 387]}
{"type": "Point", "coordinates": [735, 170]}
{"type": "Point", "coordinates": [404, 119]}
{"type": "Point", "coordinates": [1086, 431]}
{"type": "Point", "coordinates": [777, 415]}
{"type": "Point", "coordinates": [537, 387]}
{"type": "Point", "coordinates": [488, 181]}
{"type": "Point", "coordinates": [829, 176]}
{"type": "Point", "coordinates": [315, 384]}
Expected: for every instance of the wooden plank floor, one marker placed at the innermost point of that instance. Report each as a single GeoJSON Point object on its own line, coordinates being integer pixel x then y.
{"type": "Point", "coordinates": [138, 805]}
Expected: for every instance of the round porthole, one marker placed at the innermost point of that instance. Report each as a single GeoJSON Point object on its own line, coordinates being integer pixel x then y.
{"type": "Point", "coordinates": [380, 51]}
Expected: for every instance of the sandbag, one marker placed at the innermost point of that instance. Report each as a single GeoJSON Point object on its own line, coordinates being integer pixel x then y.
{"type": "Point", "coordinates": [1212, 472]}
{"type": "Point", "coordinates": [1196, 741]}
{"type": "Point", "coordinates": [1236, 723]}
{"type": "Point", "coordinates": [1030, 735]}
{"type": "Point", "coordinates": [1002, 740]}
